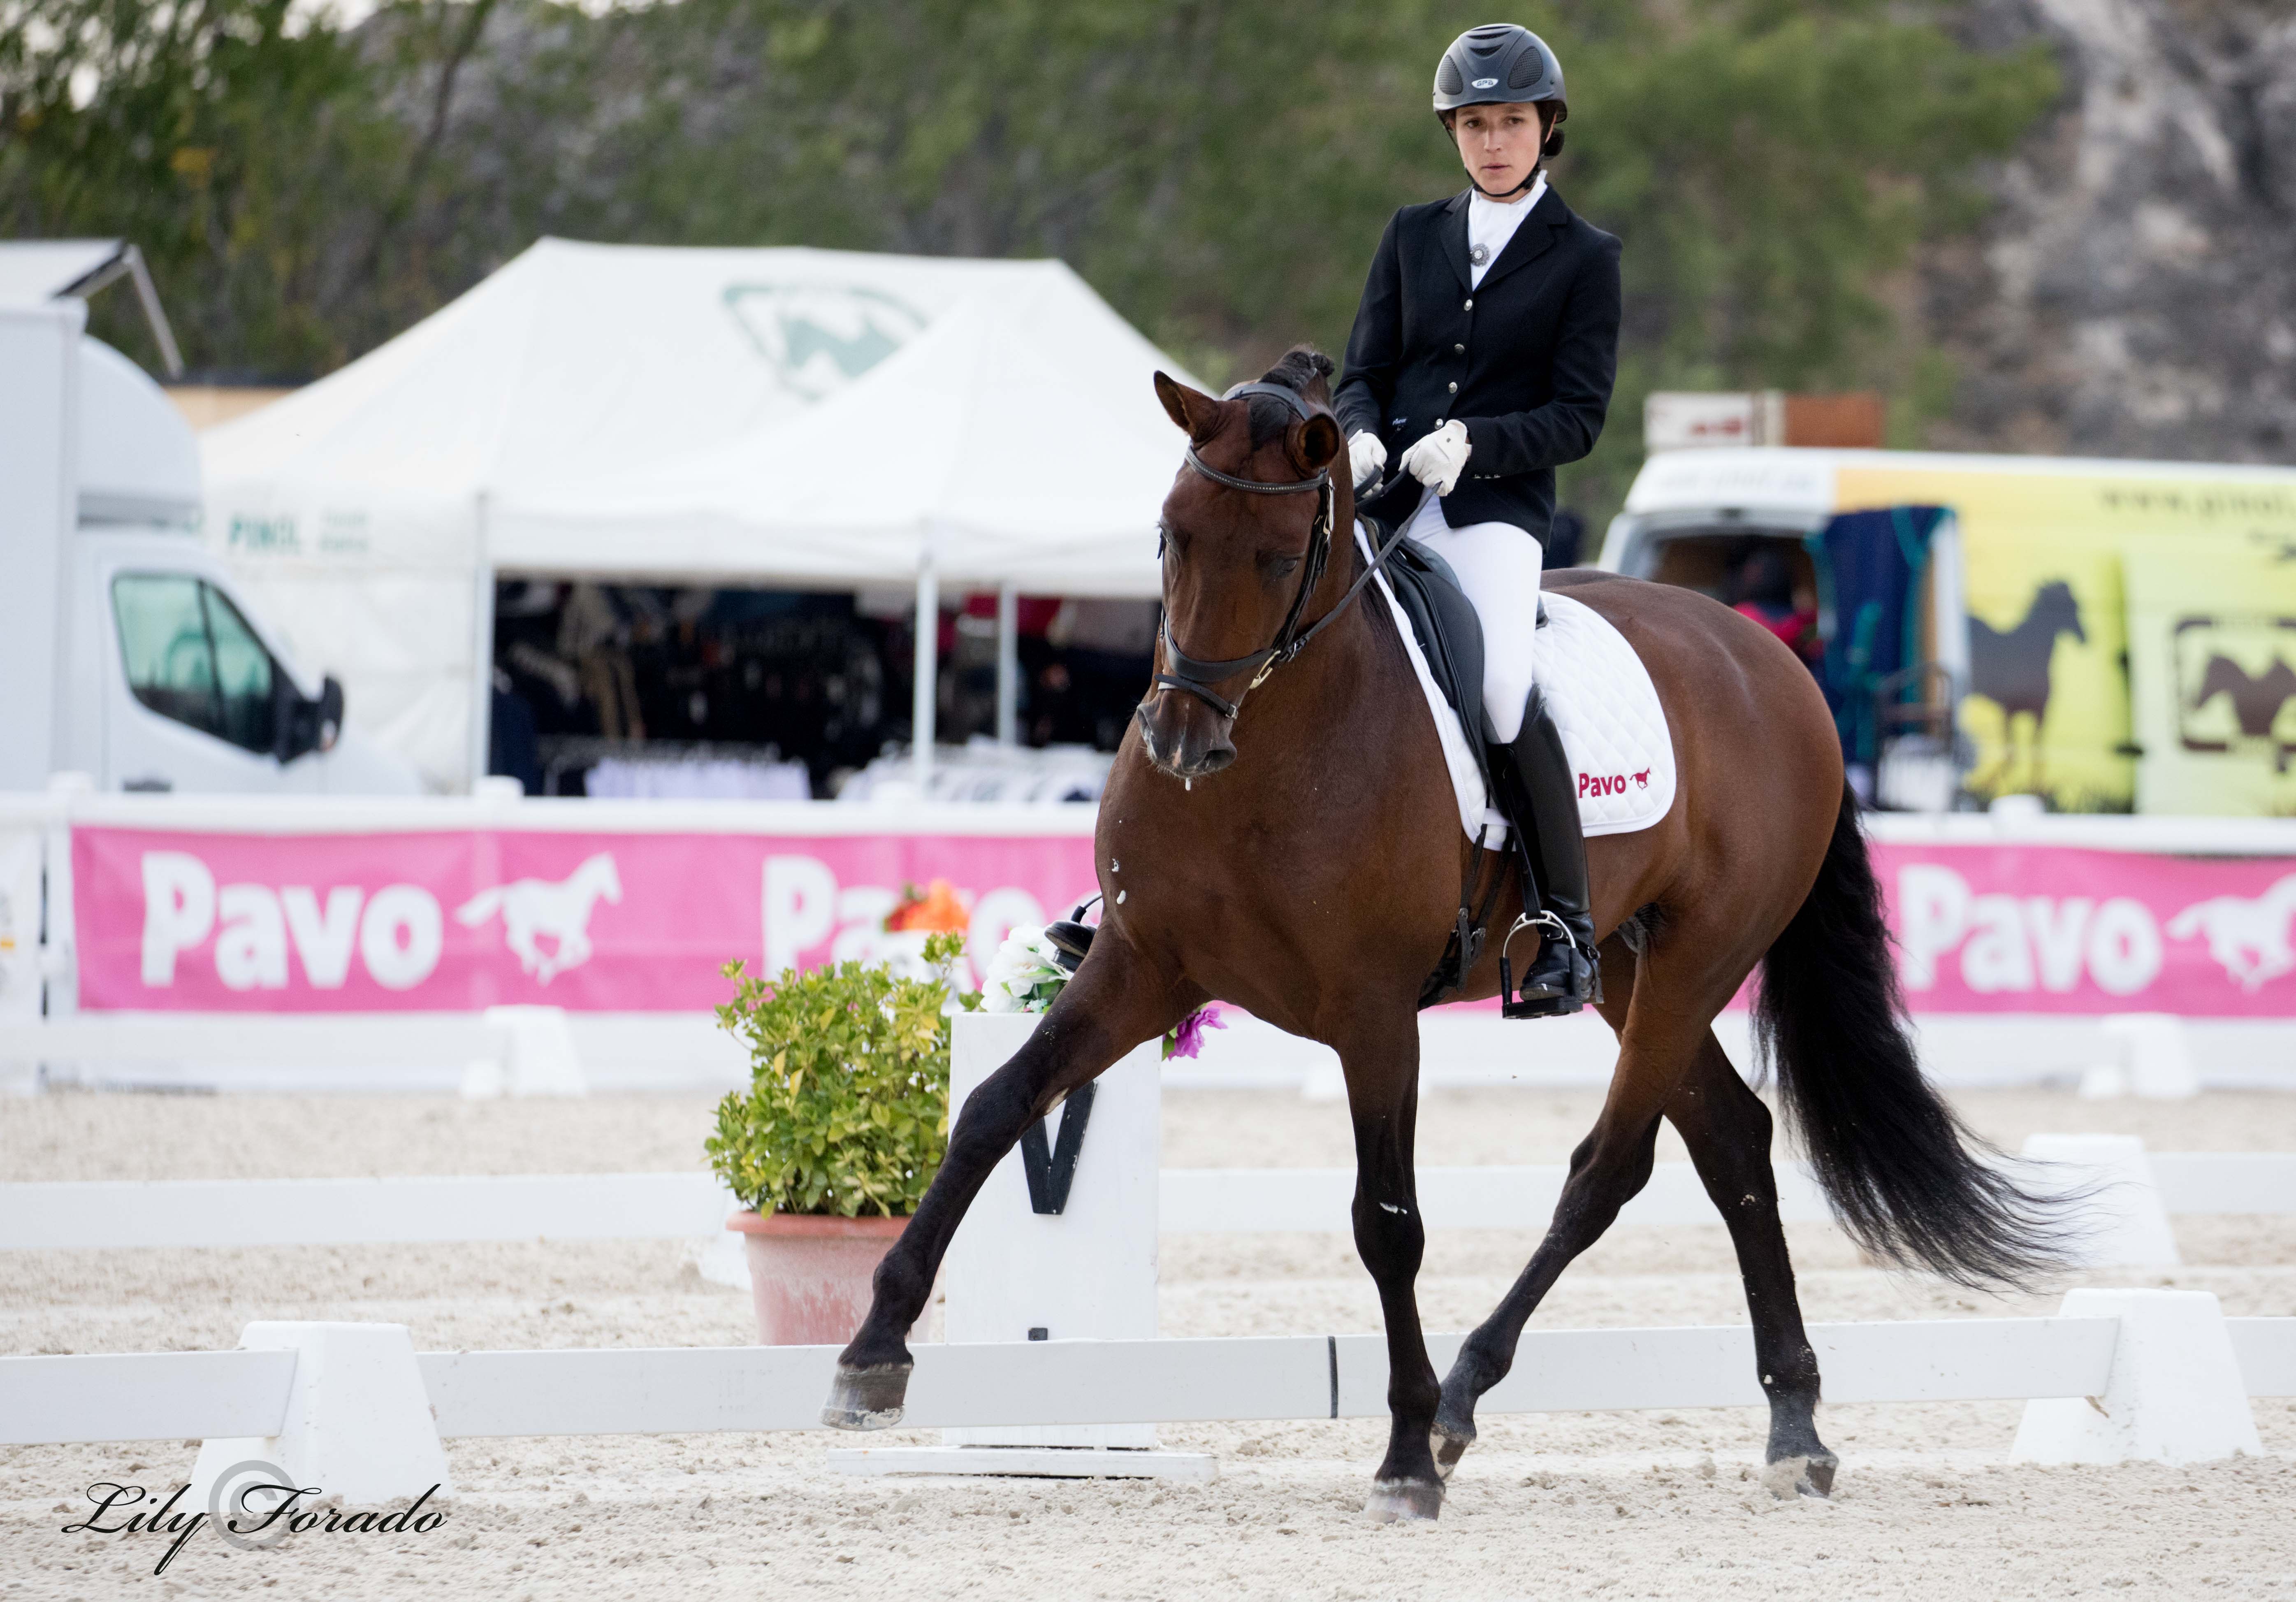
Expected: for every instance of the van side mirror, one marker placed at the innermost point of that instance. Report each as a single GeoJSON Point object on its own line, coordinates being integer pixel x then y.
{"type": "Point", "coordinates": [312, 725]}
{"type": "Point", "coordinates": [331, 712]}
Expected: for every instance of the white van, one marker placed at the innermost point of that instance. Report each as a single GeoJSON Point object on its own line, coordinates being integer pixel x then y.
{"type": "Point", "coordinates": [127, 653]}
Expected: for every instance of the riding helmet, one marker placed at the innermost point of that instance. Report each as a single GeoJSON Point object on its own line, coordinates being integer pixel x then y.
{"type": "Point", "coordinates": [1502, 64]}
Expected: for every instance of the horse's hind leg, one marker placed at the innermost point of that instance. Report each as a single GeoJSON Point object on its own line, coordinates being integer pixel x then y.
{"type": "Point", "coordinates": [1727, 1130]}
{"type": "Point", "coordinates": [1116, 1000]}
{"type": "Point", "coordinates": [1383, 1069]}
{"type": "Point", "coordinates": [1610, 1165]}
{"type": "Point", "coordinates": [1657, 1046]}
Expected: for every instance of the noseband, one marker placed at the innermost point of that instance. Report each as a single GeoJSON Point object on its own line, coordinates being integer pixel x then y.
{"type": "Point", "coordinates": [1196, 675]}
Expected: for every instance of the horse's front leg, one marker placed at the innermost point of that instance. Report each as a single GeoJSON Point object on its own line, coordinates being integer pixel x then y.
{"type": "Point", "coordinates": [1116, 1000]}
{"type": "Point", "coordinates": [1381, 1061]}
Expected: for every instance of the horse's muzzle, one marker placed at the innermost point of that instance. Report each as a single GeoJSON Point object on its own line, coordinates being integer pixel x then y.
{"type": "Point", "coordinates": [1183, 737]}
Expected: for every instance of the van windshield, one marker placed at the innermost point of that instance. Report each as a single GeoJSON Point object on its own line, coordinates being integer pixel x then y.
{"type": "Point", "coordinates": [190, 656]}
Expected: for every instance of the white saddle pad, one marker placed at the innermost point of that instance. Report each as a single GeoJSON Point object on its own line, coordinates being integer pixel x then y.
{"type": "Point", "coordinates": [1613, 729]}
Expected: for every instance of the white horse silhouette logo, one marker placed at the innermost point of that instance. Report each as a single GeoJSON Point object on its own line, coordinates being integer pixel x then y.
{"type": "Point", "coordinates": [532, 907]}
{"type": "Point", "coordinates": [2250, 938]}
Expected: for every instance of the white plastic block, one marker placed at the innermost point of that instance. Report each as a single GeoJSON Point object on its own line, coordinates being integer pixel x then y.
{"type": "Point", "coordinates": [720, 1260]}
{"type": "Point", "coordinates": [539, 1057]}
{"type": "Point", "coordinates": [2126, 1222]}
{"type": "Point", "coordinates": [2158, 1060]}
{"type": "Point", "coordinates": [359, 1424]}
{"type": "Point", "coordinates": [2174, 1395]}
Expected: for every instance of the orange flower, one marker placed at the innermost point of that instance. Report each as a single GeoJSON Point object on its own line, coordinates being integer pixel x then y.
{"type": "Point", "coordinates": [937, 911]}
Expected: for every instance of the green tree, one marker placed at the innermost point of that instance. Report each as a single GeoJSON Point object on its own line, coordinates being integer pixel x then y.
{"type": "Point", "coordinates": [1220, 171]}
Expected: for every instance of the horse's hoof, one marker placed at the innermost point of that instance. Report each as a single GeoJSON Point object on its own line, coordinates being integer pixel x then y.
{"type": "Point", "coordinates": [1450, 1444]}
{"type": "Point", "coordinates": [867, 1398]}
{"type": "Point", "coordinates": [1786, 1478]}
{"type": "Point", "coordinates": [1404, 1501]}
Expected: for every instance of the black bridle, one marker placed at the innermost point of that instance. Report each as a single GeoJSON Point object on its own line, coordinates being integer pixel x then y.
{"type": "Point", "coordinates": [1196, 675]}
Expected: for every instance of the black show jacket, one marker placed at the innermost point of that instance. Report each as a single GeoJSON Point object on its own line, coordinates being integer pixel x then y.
{"type": "Point", "coordinates": [1525, 359]}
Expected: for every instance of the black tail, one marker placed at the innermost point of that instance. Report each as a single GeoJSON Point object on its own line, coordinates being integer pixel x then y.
{"type": "Point", "coordinates": [1906, 1179]}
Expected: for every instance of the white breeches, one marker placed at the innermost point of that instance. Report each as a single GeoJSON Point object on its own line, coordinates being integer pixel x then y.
{"type": "Point", "coordinates": [1499, 566]}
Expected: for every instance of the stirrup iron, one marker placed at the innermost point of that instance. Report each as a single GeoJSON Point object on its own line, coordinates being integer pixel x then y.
{"type": "Point", "coordinates": [1585, 972]}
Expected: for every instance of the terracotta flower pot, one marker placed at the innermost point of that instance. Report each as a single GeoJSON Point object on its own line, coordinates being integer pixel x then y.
{"type": "Point", "coordinates": [809, 1275]}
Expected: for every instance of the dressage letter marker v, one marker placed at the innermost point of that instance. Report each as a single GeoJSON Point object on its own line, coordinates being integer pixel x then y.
{"type": "Point", "coordinates": [1051, 1165]}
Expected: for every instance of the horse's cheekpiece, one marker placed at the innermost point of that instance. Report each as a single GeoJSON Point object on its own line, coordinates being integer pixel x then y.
{"type": "Point", "coordinates": [1197, 676]}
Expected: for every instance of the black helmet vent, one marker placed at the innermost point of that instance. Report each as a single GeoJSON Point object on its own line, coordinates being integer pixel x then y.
{"type": "Point", "coordinates": [1447, 79]}
{"type": "Point", "coordinates": [1529, 67]}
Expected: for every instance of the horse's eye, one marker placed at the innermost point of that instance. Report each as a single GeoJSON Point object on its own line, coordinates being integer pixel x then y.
{"type": "Point", "coordinates": [1286, 567]}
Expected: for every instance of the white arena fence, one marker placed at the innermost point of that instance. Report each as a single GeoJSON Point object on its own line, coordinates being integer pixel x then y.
{"type": "Point", "coordinates": [352, 1409]}
{"type": "Point", "coordinates": [142, 1396]}
{"type": "Point", "coordinates": [105, 1214]}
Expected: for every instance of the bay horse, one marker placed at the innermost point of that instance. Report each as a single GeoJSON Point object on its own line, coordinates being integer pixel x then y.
{"type": "Point", "coordinates": [1299, 856]}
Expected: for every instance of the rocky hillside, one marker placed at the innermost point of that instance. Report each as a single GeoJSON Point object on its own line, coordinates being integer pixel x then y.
{"type": "Point", "coordinates": [2134, 293]}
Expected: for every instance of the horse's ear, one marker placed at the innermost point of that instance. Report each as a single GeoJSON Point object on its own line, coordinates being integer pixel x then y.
{"type": "Point", "coordinates": [1191, 409]}
{"type": "Point", "coordinates": [1313, 445]}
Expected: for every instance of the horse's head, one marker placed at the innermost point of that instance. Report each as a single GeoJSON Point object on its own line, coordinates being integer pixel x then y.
{"type": "Point", "coordinates": [2053, 603]}
{"type": "Point", "coordinates": [1237, 564]}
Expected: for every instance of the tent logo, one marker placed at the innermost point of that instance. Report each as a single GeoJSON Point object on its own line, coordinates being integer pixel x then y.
{"type": "Point", "coordinates": [820, 337]}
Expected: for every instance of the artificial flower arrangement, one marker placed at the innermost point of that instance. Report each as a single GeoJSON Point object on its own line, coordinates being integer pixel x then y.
{"type": "Point", "coordinates": [1029, 970]}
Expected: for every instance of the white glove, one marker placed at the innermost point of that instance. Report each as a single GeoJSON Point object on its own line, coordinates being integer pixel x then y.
{"type": "Point", "coordinates": [1436, 459]}
{"type": "Point", "coordinates": [1365, 456]}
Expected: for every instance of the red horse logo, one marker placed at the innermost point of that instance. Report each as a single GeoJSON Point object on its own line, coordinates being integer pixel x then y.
{"type": "Point", "coordinates": [1641, 779]}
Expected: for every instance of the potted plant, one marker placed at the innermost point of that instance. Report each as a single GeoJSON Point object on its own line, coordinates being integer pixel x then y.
{"type": "Point", "coordinates": [842, 1128]}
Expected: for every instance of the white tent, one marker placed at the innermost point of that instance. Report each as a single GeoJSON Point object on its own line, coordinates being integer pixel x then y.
{"type": "Point", "coordinates": [790, 417]}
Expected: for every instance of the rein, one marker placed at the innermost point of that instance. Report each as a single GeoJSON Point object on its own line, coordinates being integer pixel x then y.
{"type": "Point", "coordinates": [1194, 675]}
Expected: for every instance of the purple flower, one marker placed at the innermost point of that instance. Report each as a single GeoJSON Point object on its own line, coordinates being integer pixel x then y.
{"type": "Point", "coordinates": [1187, 1037]}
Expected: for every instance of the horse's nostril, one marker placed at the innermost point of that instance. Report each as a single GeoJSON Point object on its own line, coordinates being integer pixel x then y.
{"type": "Point", "coordinates": [1216, 759]}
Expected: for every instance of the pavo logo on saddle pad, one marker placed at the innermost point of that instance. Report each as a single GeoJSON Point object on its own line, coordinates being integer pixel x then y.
{"type": "Point", "coordinates": [1611, 784]}
{"type": "Point", "coordinates": [821, 336]}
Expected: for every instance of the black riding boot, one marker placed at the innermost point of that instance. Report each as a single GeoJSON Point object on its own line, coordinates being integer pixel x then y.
{"type": "Point", "coordinates": [1542, 802]}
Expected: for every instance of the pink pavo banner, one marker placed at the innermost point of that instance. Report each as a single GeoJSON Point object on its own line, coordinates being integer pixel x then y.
{"type": "Point", "coordinates": [2052, 929]}
{"type": "Point", "coordinates": [449, 922]}
{"type": "Point", "coordinates": [453, 921]}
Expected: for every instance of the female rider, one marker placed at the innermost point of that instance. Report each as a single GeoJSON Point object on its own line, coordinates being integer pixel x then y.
{"type": "Point", "coordinates": [1484, 351]}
